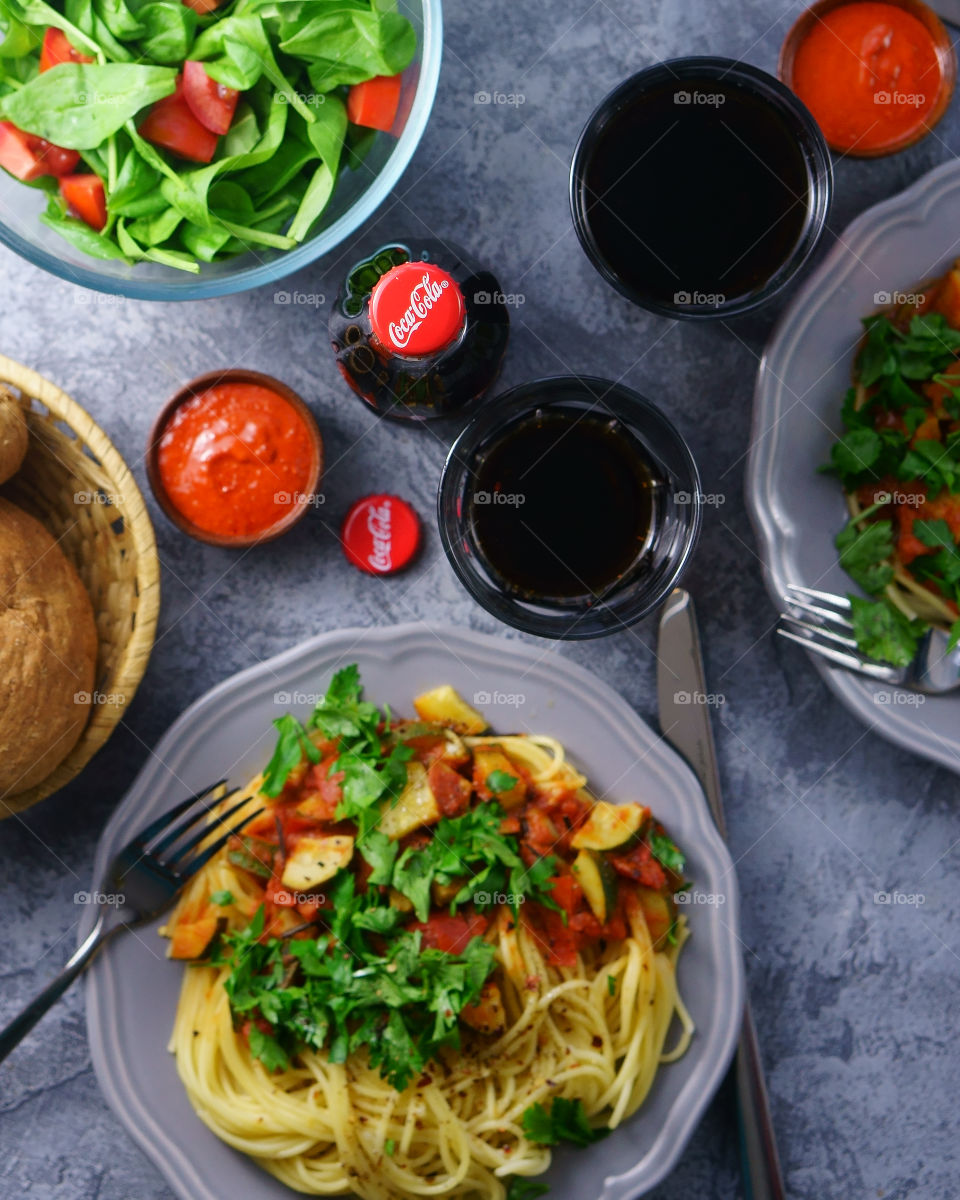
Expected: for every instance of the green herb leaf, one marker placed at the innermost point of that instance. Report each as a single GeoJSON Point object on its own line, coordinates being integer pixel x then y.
{"type": "Point", "coordinates": [883, 632]}
{"type": "Point", "coordinates": [222, 898]}
{"type": "Point", "coordinates": [501, 781]}
{"type": "Point", "coordinates": [565, 1122]}
{"type": "Point", "coordinates": [292, 743]}
{"type": "Point", "coordinates": [519, 1188]}
{"type": "Point", "coordinates": [865, 551]}
{"type": "Point", "coordinates": [666, 852]}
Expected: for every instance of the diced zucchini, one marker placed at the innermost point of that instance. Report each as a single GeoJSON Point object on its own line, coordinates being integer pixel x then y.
{"type": "Point", "coordinates": [658, 912]}
{"type": "Point", "coordinates": [487, 760]}
{"type": "Point", "coordinates": [443, 893]}
{"type": "Point", "coordinates": [599, 882]}
{"type": "Point", "coordinates": [444, 706]}
{"type": "Point", "coordinates": [400, 902]}
{"type": "Point", "coordinates": [314, 860]}
{"type": "Point", "coordinates": [609, 826]}
{"type": "Point", "coordinates": [415, 806]}
{"type": "Point", "coordinates": [191, 940]}
{"type": "Point", "coordinates": [254, 855]}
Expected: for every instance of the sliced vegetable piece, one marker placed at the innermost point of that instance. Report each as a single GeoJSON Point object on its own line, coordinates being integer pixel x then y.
{"type": "Point", "coordinates": [314, 860]}
{"type": "Point", "coordinates": [203, 6]}
{"type": "Point", "coordinates": [658, 912]}
{"type": "Point", "coordinates": [253, 855]}
{"type": "Point", "coordinates": [609, 826]}
{"type": "Point", "coordinates": [171, 124]}
{"type": "Point", "coordinates": [491, 761]}
{"type": "Point", "coordinates": [446, 707]}
{"type": "Point", "coordinates": [191, 939]}
{"type": "Point", "coordinates": [374, 103]}
{"type": "Point", "coordinates": [487, 1015]}
{"type": "Point", "coordinates": [451, 934]}
{"type": "Point", "coordinates": [416, 805]}
{"type": "Point", "coordinates": [55, 160]}
{"type": "Point", "coordinates": [85, 198]}
{"type": "Point", "coordinates": [451, 789]}
{"type": "Point", "coordinates": [212, 103]}
{"type": "Point", "coordinates": [56, 49]}
{"type": "Point", "coordinates": [17, 155]}
{"type": "Point", "coordinates": [599, 882]}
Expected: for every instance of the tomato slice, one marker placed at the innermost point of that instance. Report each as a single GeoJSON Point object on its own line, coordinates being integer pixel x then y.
{"type": "Point", "coordinates": [202, 6]}
{"type": "Point", "coordinates": [85, 198]}
{"type": "Point", "coordinates": [16, 153]}
{"type": "Point", "coordinates": [374, 102]}
{"type": "Point", "coordinates": [55, 159]}
{"type": "Point", "coordinates": [56, 49]}
{"type": "Point", "coordinates": [211, 103]}
{"type": "Point", "coordinates": [452, 934]}
{"type": "Point", "coordinates": [171, 124]}
{"type": "Point", "coordinates": [566, 892]}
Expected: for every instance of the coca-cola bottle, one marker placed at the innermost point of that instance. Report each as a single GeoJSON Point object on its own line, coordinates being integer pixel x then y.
{"type": "Point", "coordinates": [419, 329]}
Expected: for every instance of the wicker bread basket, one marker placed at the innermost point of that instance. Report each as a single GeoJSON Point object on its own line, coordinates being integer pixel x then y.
{"type": "Point", "coordinates": [75, 483]}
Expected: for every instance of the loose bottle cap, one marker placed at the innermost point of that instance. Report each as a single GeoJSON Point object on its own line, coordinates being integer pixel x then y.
{"type": "Point", "coordinates": [380, 534]}
{"type": "Point", "coordinates": [416, 309]}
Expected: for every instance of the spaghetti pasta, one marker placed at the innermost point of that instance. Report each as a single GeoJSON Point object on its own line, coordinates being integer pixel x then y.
{"type": "Point", "coordinates": [594, 1030]}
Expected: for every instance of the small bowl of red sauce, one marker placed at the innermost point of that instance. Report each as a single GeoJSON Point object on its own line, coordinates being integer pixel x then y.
{"type": "Point", "coordinates": [235, 458]}
{"type": "Point", "coordinates": [877, 75]}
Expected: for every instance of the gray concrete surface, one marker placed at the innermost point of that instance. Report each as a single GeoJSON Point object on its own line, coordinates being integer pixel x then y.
{"type": "Point", "coordinates": [854, 1000]}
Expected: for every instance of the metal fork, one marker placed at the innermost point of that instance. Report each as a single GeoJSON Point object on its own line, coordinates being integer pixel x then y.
{"type": "Point", "coordinates": [149, 873]}
{"type": "Point", "coordinates": [829, 632]}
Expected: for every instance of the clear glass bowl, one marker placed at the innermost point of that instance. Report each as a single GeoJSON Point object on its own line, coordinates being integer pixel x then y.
{"type": "Point", "coordinates": [357, 196]}
{"type": "Point", "coordinates": [679, 516]}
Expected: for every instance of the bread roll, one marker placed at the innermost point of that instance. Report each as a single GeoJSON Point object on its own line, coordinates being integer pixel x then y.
{"type": "Point", "coordinates": [48, 653]}
{"type": "Point", "coordinates": [13, 435]}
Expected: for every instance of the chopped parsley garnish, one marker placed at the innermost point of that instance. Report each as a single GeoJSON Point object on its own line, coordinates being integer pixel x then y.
{"type": "Point", "coordinates": [666, 852]}
{"type": "Point", "coordinates": [292, 743]}
{"type": "Point", "coordinates": [565, 1122]}
{"type": "Point", "coordinates": [865, 550]}
{"type": "Point", "coordinates": [612, 985]}
{"type": "Point", "coordinates": [339, 993]}
{"type": "Point", "coordinates": [389, 1147]}
{"type": "Point", "coordinates": [221, 898]}
{"type": "Point", "coordinates": [525, 1189]}
{"type": "Point", "coordinates": [883, 632]}
{"type": "Point", "coordinates": [501, 781]}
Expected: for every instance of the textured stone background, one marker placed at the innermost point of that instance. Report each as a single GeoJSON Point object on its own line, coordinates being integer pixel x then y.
{"type": "Point", "coordinates": [854, 1001]}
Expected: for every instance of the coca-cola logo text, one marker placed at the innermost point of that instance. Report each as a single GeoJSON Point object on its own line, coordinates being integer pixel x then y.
{"type": "Point", "coordinates": [379, 525]}
{"type": "Point", "coordinates": [423, 296]}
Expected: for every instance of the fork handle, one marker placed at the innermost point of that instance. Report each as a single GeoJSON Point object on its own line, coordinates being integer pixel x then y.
{"type": "Point", "coordinates": [21, 1025]}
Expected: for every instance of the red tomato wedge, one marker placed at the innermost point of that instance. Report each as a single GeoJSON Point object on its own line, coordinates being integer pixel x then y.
{"type": "Point", "coordinates": [211, 103]}
{"type": "Point", "coordinates": [55, 159]}
{"type": "Point", "coordinates": [171, 124]}
{"type": "Point", "coordinates": [202, 6]}
{"type": "Point", "coordinates": [56, 49]}
{"type": "Point", "coordinates": [452, 934]}
{"type": "Point", "coordinates": [374, 103]}
{"type": "Point", "coordinates": [17, 155]}
{"type": "Point", "coordinates": [85, 198]}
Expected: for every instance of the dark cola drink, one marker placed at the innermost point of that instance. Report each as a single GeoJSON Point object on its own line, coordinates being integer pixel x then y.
{"type": "Point", "coordinates": [419, 330]}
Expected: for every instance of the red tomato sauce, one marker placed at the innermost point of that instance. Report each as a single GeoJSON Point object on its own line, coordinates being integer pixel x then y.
{"type": "Point", "coordinates": [234, 458]}
{"type": "Point", "coordinates": [869, 73]}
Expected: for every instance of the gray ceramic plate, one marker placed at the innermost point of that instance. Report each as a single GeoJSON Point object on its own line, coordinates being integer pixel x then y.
{"type": "Point", "coordinates": [805, 371]}
{"type": "Point", "coordinates": [132, 989]}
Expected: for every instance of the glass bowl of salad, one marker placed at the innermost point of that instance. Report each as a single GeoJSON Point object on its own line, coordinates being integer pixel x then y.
{"type": "Point", "coordinates": [175, 149]}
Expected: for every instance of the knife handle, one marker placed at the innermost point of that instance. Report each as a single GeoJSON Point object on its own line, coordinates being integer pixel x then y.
{"type": "Point", "coordinates": [758, 1145]}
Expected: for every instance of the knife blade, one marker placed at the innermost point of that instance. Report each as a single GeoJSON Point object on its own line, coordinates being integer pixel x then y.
{"type": "Point", "coordinates": [685, 723]}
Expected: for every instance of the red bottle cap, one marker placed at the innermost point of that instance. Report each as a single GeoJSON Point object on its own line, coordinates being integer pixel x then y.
{"type": "Point", "coordinates": [417, 309]}
{"type": "Point", "coordinates": [380, 534]}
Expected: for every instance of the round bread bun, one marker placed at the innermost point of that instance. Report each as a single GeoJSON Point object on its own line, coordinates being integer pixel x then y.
{"type": "Point", "coordinates": [48, 652]}
{"type": "Point", "coordinates": [13, 434]}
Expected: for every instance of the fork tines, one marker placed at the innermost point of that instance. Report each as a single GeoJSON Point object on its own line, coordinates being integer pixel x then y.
{"type": "Point", "coordinates": [829, 633]}
{"type": "Point", "coordinates": [177, 855]}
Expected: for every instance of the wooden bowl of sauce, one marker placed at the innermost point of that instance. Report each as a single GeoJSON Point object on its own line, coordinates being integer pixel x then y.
{"type": "Point", "coordinates": [235, 458]}
{"type": "Point", "coordinates": [877, 75]}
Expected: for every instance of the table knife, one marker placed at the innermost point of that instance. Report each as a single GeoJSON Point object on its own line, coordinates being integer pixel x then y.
{"type": "Point", "coordinates": [685, 723]}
